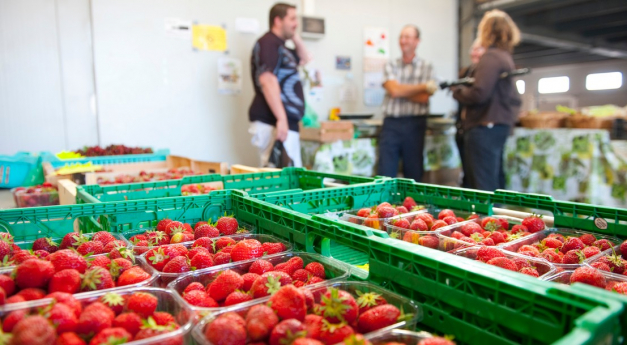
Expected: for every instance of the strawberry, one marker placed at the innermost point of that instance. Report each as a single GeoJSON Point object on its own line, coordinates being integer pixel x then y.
{"type": "Point", "coordinates": [161, 226]}
{"type": "Point", "coordinates": [197, 250]}
{"type": "Point", "coordinates": [601, 266]}
{"type": "Point", "coordinates": [377, 318]}
{"type": "Point", "coordinates": [176, 250]}
{"type": "Point", "coordinates": [164, 319]}
{"type": "Point", "coordinates": [436, 341]}
{"type": "Point", "coordinates": [132, 276]}
{"type": "Point", "coordinates": [193, 286]}
{"type": "Point", "coordinates": [114, 301]}
{"type": "Point", "coordinates": [402, 209]}
{"type": "Point", "coordinates": [121, 253]}
{"type": "Point", "coordinates": [521, 263]}
{"type": "Point", "coordinates": [246, 250]}
{"type": "Point", "coordinates": [33, 273]}
{"type": "Point", "coordinates": [100, 261]}
{"type": "Point", "coordinates": [438, 224]}
{"type": "Point", "coordinates": [409, 203]}
{"type": "Point", "coordinates": [157, 238]}
{"type": "Point", "coordinates": [7, 284]}
{"type": "Point", "coordinates": [94, 319]}
{"type": "Point", "coordinates": [200, 298]}
{"type": "Point", "coordinates": [114, 245]}
{"type": "Point", "coordinates": [587, 239]}
{"type": "Point", "coordinates": [338, 305]}
{"type": "Point", "coordinates": [201, 261]}
{"type": "Point", "coordinates": [21, 256]}
{"type": "Point", "coordinates": [497, 237]}
{"type": "Point", "coordinates": [249, 279]}
{"type": "Point", "coordinates": [260, 320]}
{"type": "Point", "coordinates": [199, 223]}
{"type": "Point", "coordinates": [33, 330]}
{"type": "Point", "coordinates": [503, 263]}
{"type": "Point", "coordinates": [68, 280]}
{"type": "Point", "coordinates": [470, 228]}
{"type": "Point", "coordinates": [490, 223]}
{"type": "Point", "coordinates": [552, 242]}
{"type": "Point", "coordinates": [45, 243]}
{"type": "Point", "coordinates": [69, 338]}
{"type": "Point", "coordinates": [623, 249]}
{"type": "Point", "coordinates": [69, 240]}
{"type": "Point", "coordinates": [425, 217]}
{"type": "Point", "coordinates": [41, 254]}
{"type": "Point", "coordinates": [314, 280]}
{"type": "Point", "coordinates": [67, 299]}
{"type": "Point", "coordinates": [119, 266]}
{"type": "Point", "coordinates": [402, 223]}
{"type": "Point", "coordinates": [615, 262]}
{"type": "Point", "coordinates": [103, 237]}
{"type": "Point", "coordinates": [12, 319]}
{"type": "Point", "coordinates": [557, 236]}
{"type": "Point", "coordinates": [142, 303]}
{"type": "Point", "coordinates": [528, 248]}
{"type": "Point", "coordinates": [603, 244]}
{"type": "Point", "coordinates": [206, 243]}
{"type": "Point", "coordinates": [226, 282]}
{"type": "Point", "coordinates": [221, 258]}
{"type": "Point", "coordinates": [270, 248]}
{"type": "Point", "coordinates": [419, 225]}
{"type": "Point", "coordinates": [157, 258]}
{"type": "Point", "coordinates": [62, 317]}
{"type": "Point", "coordinates": [302, 275]}
{"type": "Point", "coordinates": [449, 220]}
{"type": "Point", "coordinates": [269, 283]}
{"type": "Point", "coordinates": [116, 335]}
{"type": "Point", "coordinates": [488, 242]}
{"type": "Point", "coordinates": [574, 256]}
{"type": "Point", "coordinates": [530, 271]}
{"type": "Point", "coordinates": [97, 278]}
{"type": "Point", "coordinates": [15, 299]}
{"type": "Point", "coordinates": [572, 243]}
{"type": "Point", "coordinates": [364, 212]}
{"type": "Point", "coordinates": [317, 269]}
{"type": "Point", "coordinates": [223, 242]}
{"type": "Point", "coordinates": [223, 331]}
{"type": "Point", "coordinates": [533, 223]}
{"type": "Point", "coordinates": [334, 333]}
{"type": "Point", "coordinates": [206, 230]}
{"type": "Point", "coordinates": [295, 263]}
{"type": "Point", "coordinates": [588, 275]}
{"type": "Point", "coordinates": [621, 288]}
{"type": "Point", "coordinates": [386, 211]}
{"type": "Point", "coordinates": [179, 264]}
{"type": "Point", "coordinates": [591, 251]}
{"type": "Point", "coordinates": [227, 226]}
{"type": "Point", "coordinates": [237, 297]}
{"type": "Point", "coordinates": [485, 254]}
{"type": "Point", "coordinates": [65, 258]}
{"type": "Point", "coordinates": [369, 300]}
{"type": "Point", "coordinates": [290, 302]}
{"type": "Point", "coordinates": [445, 213]}
{"type": "Point", "coordinates": [260, 267]}
{"type": "Point", "coordinates": [286, 331]}
{"type": "Point", "coordinates": [152, 329]}
{"type": "Point", "coordinates": [174, 227]}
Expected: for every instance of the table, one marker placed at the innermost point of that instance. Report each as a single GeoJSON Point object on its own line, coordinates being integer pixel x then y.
{"type": "Point", "coordinates": [568, 164]}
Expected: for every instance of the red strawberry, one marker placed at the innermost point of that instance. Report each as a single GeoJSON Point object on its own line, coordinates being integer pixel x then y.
{"type": "Point", "coordinates": [449, 220]}
{"type": "Point", "coordinates": [260, 267]}
{"type": "Point", "coordinates": [223, 331]}
{"type": "Point", "coordinates": [314, 280]}
{"type": "Point", "coordinates": [201, 261]}
{"type": "Point", "coordinates": [65, 259]}
{"type": "Point", "coordinates": [333, 334]}
{"type": "Point", "coordinates": [223, 242]}
{"type": "Point", "coordinates": [591, 251]}
{"type": "Point", "coordinates": [206, 230]}
{"type": "Point", "coordinates": [260, 320]}
{"type": "Point", "coordinates": [317, 269]}
{"type": "Point", "coordinates": [587, 239]}
{"type": "Point", "coordinates": [7, 284]}
{"type": "Point", "coordinates": [200, 298]}
{"type": "Point", "coordinates": [309, 298]}
{"type": "Point", "coordinates": [100, 261]}
{"type": "Point", "coordinates": [369, 300]}
{"type": "Point", "coordinates": [114, 301]}
{"type": "Point", "coordinates": [121, 252]}
{"type": "Point", "coordinates": [621, 288]}
{"type": "Point", "coordinates": [445, 213]}
{"type": "Point", "coordinates": [94, 319]}
{"type": "Point", "coordinates": [142, 303]}
{"type": "Point", "coordinates": [269, 283]}
{"type": "Point", "coordinates": [552, 242]}
{"type": "Point", "coordinates": [119, 266]}
{"type": "Point", "coordinates": [438, 224]}
{"type": "Point", "coordinates": [572, 243]}
{"type": "Point", "coordinates": [372, 221]}
{"type": "Point", "coordinates": [533, 223]}
{"type": "Point", "coordinates": [132, 276]}
{"type": "Point", "coordinates": [45, 243]}
{"type": "Point", "coordinates": [386, 211]}
{"type": "Point", "coordinates": [302, 275]}
{"type": "Point", "coordinates": [402, 209]}
{"type": "Point", "coordinates": [338, 305]}
{"type": "Point", "coordinates": [206, 243]}
{"type": "Point", "coordinates": [69, 240]}
{"type": "Point", "coordinates": [519, 228]}
{"type": "Point", "coordinates": [174, 227]}
{"type": "Point", "coordinates": [131, 322]}
{"type": "Point", "coordinates": [15, 299]}
{"type": "Point", "coordinates": [157, 238]}
{"type": "Point", "coordinates": [588, 275]}
{"type": "Point", "coordinates": [237, 297]}
{"type": "Point", "coordinates": [179, 264]}
{"type": "Point", "coordinates": [103, 237]}
{"type": "Point", "coordinates": [21, 256]}
{"type": "Point", "coordinates": [425, 217]}
{"type": "Point", "coordinates": [409, 203]}
{"type": "Point", "coordinates": [503, 263]}
{"type": "Point", "coordinates": [110, 335]}
{"type": "Point", "coordinates": [41, 254]}
{"type": "Point", "coordinates": [221, 258]}
{"type": "Point", "coordinates": [175, 250]}
{"type": "Point", "coordinates": [227, 226]}
{"type": "Point", "coordinates": [402, 223]}
{"type": "Point", "coordinates": [12, 319]}
{"type": "Point", "coordinates": [33, 273]}
{"type": "Point", "coordinates": [249, 279]}
{"type": "Point", "coordinates": [97, 278]}
{"type": "Point", "coordinates": [603, 244]}
{"type": "Point", "coordinates": [62, 317]}
{"type": "Point", "coordinates": [33, 330]}
{"type": "Point", "coordinates": [623, 249]}
{"type": "Point", "coordinates": [601, 266]}
{"type": "Point", "coordinates": [67, 299]}
{"type": "Point", "coordinates": [199, 223]}
{"type": "Point", "coordinates": [69, 338]}
{"type": "Point", "coordinates": [497, 237]}
{"type": "Point", "coordinates": [161, 226]}
{"type": "Point", "coordinates": [270, 248]}
{"type": "Point", "coordinates": [419, 225]}
{"type": "Point", "coordinates": [157, 258]}
{"type": "Point", "coordinates": [290, 302]}
{"type": "Point", "coordinates": [286, 331]}
{"type": "Point", "coordinates": [246, 250]}
{"type": "Point", "coordinates": [486, 254]}
{"type": "Point", "coordinates": [314, 324]}
{"type": "Point", "coordinates": [227, 282]}
{"type": "Point", "coordinates": [377, 318]}
{"type": "Point", "coordinates": [152, 330]}
{"type": "Point", "coordinates": [528, 248]}
{"type": "Point", "coordinates": [114, 245]}
{"type": "Point", "coordinates": [163, 318]}
{"type": "Point", "coordinates": [436, 341]}
{"type": "Point", "coordinates": [68, 280]}
{"type": "Point", "coordinates": [521, 263]}
{"type": "Point", "coordinates": [530, 271]}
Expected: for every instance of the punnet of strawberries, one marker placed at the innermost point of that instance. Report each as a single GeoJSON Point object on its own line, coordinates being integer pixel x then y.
{"type": "Point", "coordinates": [112, 150]}
{"type": "Point", "coordinates": [497, 257]}
{"type": "Point", "coordinates": [562, 247]}
{"type": "Point", "coordinates": [594, 277]}
{"type": "Point", "coordinates": [41, 195]}
{"type": "Point", "coordinates": [168, 231]}
{"type": "Point", "coordinates": [111, 318]}
{"type": "Point", "coordinates": [248, 281]}
{"type": "Point", "coordinates": [402, 337]}
{"type": "Point", "coordinates": [316, 315]}
{"type": "Point", "coordinates": [613, 260]}
{"type": "Point", "coordinates": [143, 176]}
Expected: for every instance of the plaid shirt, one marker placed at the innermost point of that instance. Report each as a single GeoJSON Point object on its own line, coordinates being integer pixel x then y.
{"type": "Point", "coordinates": [418, 72]}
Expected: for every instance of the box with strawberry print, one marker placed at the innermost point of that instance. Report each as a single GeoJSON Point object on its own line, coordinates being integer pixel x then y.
{"type": "Point", "coordinates": [319, 315]}
{"type": "Point", "coordinates": [168, 231]}
{"type": "Point", "coordinates": [565, 248]}
{"type": "Point", "coordinates": [41, 195]}
{"type": "Point", "coordinates": [67, 271]}
{"type": "Point", "coordinates": [589, 275]}
{"type": "Point", "coordinates": [249, 281]}
{"type": "Point", "coordinates": [510, 261]}
{"type": "Point", "coordinates": [613, 261]}
{"type": "Point", "coordinates": [174, 259]}
{"type": "Point", "coordinates": [132, 316]}
{"type": "Point", "coordinates": [401, 336]}
{"type": "Point", "coordinates": [15, 252]}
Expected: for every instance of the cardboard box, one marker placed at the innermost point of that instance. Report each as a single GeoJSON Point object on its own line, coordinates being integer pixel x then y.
{"type": "Point", "coordinates": [328, 132]}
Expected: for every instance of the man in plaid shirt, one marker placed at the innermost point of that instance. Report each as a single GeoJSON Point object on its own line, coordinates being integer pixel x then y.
{"type": "Point", "coordinates": [409, 84]}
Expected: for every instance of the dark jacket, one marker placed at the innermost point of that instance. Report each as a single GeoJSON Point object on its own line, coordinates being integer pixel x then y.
{"type": "Point", "coordinates": [490, 99]}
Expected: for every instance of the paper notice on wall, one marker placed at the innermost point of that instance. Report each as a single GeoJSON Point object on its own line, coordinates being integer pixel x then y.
{"type": "Point", "coordinates": [373, 79]}
{"type": "Point", "coordinates": [376, 47]}
{"type": "Point", "coordinates": [376, 43]}
{"type": "Point", "coordinates": [178, 28]}
{"type": "Point", "coordinates": [229, 75]}
{"type": "Point", "coordinates": [209, 37]}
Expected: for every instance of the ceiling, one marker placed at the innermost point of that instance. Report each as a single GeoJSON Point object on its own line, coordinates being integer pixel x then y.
{"type": "Point", "coordinates": [557, 32]}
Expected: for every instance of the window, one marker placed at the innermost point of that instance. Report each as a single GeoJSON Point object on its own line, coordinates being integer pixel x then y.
{"type": "Point", "coordinates": [553, 85]}
{"type": "Point", "coordinates": [520, 85]}
{"type": "Point", "coordinates": [604, 81]}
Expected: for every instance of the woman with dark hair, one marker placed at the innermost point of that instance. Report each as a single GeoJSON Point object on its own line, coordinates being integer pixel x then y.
{"type": "Point", "coordinates": [490, 104]}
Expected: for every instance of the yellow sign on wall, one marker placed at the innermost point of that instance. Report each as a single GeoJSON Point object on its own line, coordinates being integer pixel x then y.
{"type": "Point", "coordinates": [209, 37]}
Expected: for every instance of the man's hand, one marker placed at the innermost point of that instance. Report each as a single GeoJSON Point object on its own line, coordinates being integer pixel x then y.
{"type": "Point", "coordinates": [431, 87]}
{"type": "Point", "coordinates": [281, 130]}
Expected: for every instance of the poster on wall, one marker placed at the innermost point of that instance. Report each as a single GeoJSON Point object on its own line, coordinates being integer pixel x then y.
{"type": "Point", "coordinates": [229, 75]}
{"type": "Point", "coordinates": [209, 37]}
{"type": "Point", "coordinates": [376, 45]}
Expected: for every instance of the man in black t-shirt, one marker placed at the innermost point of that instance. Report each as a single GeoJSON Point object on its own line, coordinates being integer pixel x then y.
{"type": "Point", "coordinates": [279, 102]}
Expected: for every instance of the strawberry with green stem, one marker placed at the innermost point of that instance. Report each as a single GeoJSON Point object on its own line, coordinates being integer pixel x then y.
{"type": "Point", "coordinates": [339, 306]}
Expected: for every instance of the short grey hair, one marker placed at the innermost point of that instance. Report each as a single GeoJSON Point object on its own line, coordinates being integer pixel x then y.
{"type": "Point", "coordinates": [413, 27]}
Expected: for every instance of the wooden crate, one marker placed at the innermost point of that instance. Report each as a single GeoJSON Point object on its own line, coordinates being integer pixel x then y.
{"type": "Point", "coordinates": [244, 169]}
{"type": "Point", "coordinates": [329, 131]}
{"type": "Point", "coordinates": [67, 192]}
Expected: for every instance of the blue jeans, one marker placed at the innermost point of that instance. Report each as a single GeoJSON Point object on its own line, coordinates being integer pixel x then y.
{"type": "Point", "coordinates": [484, 148]}
{"type": "Point", "coordinates": [402, 137]}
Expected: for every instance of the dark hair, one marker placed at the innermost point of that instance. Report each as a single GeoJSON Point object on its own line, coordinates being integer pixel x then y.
{"type": "Point", "coordinates": [279, 10]}
{"type": "Point", "coordinates": [415, 29]}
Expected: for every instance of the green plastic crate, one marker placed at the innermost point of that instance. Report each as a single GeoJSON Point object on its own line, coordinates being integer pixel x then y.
{"type": "Point", "coordinates": [284, 180]}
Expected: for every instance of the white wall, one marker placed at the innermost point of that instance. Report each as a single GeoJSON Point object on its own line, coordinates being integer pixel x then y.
{"type": "Point", "coordinates": [157, 91]}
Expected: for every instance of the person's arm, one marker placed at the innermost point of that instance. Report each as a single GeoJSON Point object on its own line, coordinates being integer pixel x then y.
{"type": "Point", "coordinates": [272, 93]}
{"type": "Point", "coordinates": [302, 52]}
{"type": "Point", "coordinates": [397, 90]}
{"type": "Point", "coordinates": [486, 76]}
{"type": "Point", "coordinates": [422, 98]}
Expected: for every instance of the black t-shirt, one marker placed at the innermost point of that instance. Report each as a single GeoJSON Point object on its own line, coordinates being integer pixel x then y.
{"type": "Point", "coordinates": [271, 55]}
